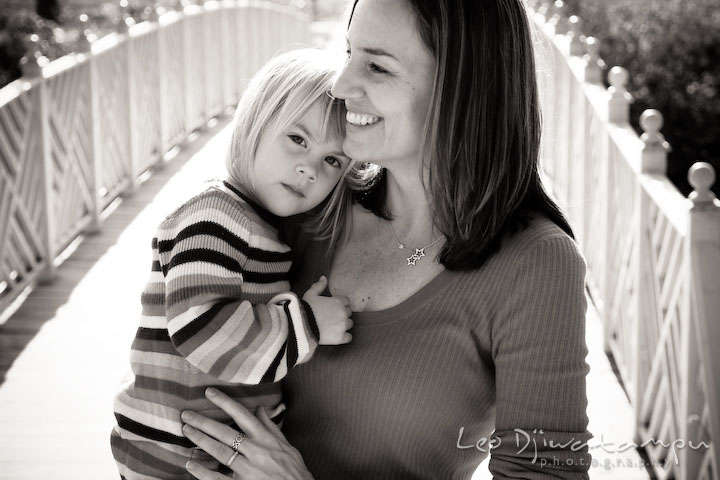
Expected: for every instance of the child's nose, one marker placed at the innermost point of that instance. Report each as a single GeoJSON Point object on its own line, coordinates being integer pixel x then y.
{"type": "Point", "coordinates": [307, 172]}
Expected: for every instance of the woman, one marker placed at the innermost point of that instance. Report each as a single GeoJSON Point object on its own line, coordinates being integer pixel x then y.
{"type": "Point", "coordinates": [466, 287]}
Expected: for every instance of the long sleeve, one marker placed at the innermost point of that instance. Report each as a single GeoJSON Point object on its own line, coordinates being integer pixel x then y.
{"type": "Point", "coordinates": [215, 263]}
{"type": "Point", "coordinates": [539, 355]}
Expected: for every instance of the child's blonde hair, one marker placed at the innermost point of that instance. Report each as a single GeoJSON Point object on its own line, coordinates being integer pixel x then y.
{"type": "Point", "coordinates": [286, 88]}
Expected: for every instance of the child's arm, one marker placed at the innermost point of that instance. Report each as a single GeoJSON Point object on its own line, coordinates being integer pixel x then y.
{"type": "Point", "coordinates": [211, 276]}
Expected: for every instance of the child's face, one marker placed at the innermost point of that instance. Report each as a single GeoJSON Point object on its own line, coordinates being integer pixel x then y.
{"type": "Point", "coordinates": [295, 169]}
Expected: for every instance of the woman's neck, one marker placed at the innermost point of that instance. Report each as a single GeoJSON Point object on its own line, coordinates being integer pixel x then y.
{"type": "Point", "coordinates": [408, 204]}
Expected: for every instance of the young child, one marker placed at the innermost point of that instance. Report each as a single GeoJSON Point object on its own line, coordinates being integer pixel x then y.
{"type": "Point", "coordinates": [217, 310]}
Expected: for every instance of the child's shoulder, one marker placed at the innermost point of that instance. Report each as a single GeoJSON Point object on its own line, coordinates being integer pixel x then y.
{"type": "Point", "coordinates": [216, 205]}
{"type": "Point", "coordinates": [211, 204]}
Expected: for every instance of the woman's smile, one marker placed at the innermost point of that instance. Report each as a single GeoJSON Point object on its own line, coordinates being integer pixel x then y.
{"type": "Point", "coordinates": [361, 119]}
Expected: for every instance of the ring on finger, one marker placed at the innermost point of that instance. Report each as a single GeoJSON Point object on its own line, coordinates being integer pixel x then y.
{"type": "Point", "coordinates": [237, 441]}
{"type": "Point", "coordinates": [232, 457]}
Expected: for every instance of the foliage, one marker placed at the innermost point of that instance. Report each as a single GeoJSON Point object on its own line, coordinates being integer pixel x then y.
{"type": "Point", "coordinates": [671, 48]}
{"type": "Point", "coordinates": [18, 22]}
{"type": "Point", "coordinates": [16, 27]}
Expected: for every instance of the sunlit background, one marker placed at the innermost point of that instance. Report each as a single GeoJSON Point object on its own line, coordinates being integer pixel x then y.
{"type": "Point", "coordinates": [96, 152]}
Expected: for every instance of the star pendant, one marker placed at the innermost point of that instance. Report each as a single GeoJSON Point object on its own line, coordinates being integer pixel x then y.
{"type": "Point", "coordinates": [412, 259]}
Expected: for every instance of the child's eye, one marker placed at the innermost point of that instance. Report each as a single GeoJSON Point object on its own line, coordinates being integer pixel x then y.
{"type": "Point", "coordinates": [333, 161]}
{"type": "Point", "coordinates": [297, 139]}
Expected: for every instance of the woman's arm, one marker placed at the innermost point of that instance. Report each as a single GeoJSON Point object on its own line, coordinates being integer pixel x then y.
{"type": "Point", "coordinates": [263, 454]}
{"type": "Point", "coordinates": [539, 353]}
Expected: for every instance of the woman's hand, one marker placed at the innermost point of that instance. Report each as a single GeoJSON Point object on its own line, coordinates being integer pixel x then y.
{"type": "Point", "coordinates": [263, 454]}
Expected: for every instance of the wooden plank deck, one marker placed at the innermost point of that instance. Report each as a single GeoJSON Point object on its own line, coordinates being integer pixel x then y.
{"type": "Point", "coordinates": [63, 353]}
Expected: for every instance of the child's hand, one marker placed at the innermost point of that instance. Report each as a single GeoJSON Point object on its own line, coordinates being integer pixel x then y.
{"type": "Point", "coordinates": [332, 314]}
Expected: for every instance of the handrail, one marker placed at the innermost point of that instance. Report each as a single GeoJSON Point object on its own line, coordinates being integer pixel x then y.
{"type": "Point", "coordinates": [653, 255]}
{"type": "Point", "coordinates": [80, 131]}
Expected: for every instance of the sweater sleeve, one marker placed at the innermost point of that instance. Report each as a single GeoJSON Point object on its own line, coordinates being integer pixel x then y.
{"type": "Point", "coordinates": [539, 355]}
{"type": "Point", "coordinates": [204, 256]}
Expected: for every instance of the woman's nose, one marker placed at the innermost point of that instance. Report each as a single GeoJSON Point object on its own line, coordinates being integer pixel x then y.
{"type": "Point", "coordinates": [345, 85]}
{"type": "Point", "coordinates": [307, 171]}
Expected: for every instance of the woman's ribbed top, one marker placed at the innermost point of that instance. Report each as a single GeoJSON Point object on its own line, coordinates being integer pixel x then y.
{"type": "Point", "coordinates": [419, 390]}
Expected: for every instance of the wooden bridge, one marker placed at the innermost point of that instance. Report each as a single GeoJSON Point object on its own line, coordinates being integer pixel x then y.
{"type": "Point", "coordinates": [96, 147]}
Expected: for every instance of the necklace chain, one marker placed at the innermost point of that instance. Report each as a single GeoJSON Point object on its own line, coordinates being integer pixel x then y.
{"type": "Point", "coordinates": [419, 252]}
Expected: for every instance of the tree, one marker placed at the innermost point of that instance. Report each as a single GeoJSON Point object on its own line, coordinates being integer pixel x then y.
{"type": "Point", "coordinates": [49, 9]}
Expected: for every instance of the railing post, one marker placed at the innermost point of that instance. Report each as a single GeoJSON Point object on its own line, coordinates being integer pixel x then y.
{"type": "Point", "coordinates": [32, 66]}
{"type": "Point", "coordinates": [187, 67]}
{"type": "Point", "coordinates": [123, 28]}
{"type": "Point", "coordinates": [704, 232]}
{"type": "Point", "coordinates": [617, 111]}
{"type": "Point", "coordinates": [652, 161]}
{"type": "Point", "coordinates": [86, 39]}
{"type": "Point", "coordinates": [155, 15]}
{"type": "Point", "coordinates": [229, 68]}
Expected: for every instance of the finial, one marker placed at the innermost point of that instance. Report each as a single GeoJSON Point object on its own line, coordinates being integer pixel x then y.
{"type": "Point", "coordinates": [617, 77]}
{"type": "Point", "coordinates": [558, 18]}
{"type": "Point", "coordinates": [620, 98]}
{"type": "Point", "coordinates": [576, 46]}
{"type": "Point", "coordinates": [33, 62]}
{"type": "Point", "coordinates": [126, 21]}
{"type": "Point", "coordinates": [593, 63]}
{"type": "Point", "coordinates": [651, 122]}
{"type": "Point", "coordinates": [655, 148]}
{"type": "Point", "coordinates": [702, 177]}
{"type": "Point", "coordinates": [153, 12]}
{"type": "Point", "coordinates": [543, 10]}
{"type": "Point", "coordinates": [86, 36]}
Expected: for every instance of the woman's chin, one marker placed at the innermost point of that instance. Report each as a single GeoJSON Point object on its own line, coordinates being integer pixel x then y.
{"type": "Point", "coordinates": [359, 151]}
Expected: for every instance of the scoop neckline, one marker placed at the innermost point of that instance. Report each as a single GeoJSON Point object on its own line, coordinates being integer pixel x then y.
{"type": "Point", "coordinates": [407, 306]}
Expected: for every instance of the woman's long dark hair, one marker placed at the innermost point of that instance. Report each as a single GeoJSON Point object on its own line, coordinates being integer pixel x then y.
{"type": "Point", "coordinates": [482, 134]}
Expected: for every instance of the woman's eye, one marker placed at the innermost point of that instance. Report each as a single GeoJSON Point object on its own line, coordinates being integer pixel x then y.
{"type": "Point", "coordinates": [297, 139]}
{"type": "Point", "coordinates": [377, 68]}
{"type": "Point", "coordinates": [333, 161]}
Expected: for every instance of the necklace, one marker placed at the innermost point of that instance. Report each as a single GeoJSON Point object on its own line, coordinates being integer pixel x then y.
{"type": "Point", "coordinates": [419, 252]}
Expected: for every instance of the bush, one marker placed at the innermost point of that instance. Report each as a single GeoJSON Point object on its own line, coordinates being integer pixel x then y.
{"type": "Point", "coordinates": [671, 49]}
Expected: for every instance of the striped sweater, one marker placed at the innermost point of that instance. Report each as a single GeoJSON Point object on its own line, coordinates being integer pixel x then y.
{"type": "Point", "coordinates": [216, 312]}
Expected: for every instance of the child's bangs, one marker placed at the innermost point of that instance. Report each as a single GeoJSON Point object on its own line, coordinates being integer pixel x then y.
{"type": "Point", "coordinates": [302, 99]}
{"type": "Point", "coordinates": [334, 118]}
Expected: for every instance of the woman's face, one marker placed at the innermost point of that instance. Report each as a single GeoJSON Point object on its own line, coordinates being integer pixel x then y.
{"type": "Point", "coordinates": [386, 84]}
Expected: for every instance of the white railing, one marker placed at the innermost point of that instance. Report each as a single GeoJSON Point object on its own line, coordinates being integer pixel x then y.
{"type": "Point", "coordinates": [653, 255]}
{"type": "Point", "coordinates": [78, 132]}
